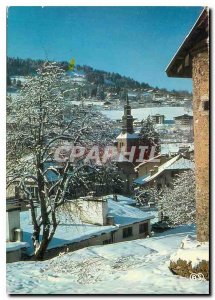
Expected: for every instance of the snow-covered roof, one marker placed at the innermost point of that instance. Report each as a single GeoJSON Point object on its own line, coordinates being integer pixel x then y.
{"type": "Point", "coordinates": [126, 214]}
{"type": "Point", "coordinates": [21, 78]}
{"type": "Point", "coordinates": [78, 79]}
{"type": "Point", "coordinates": [181, 164]}
{"type": "Point", "coordinates": [174, 147]}
{"type": "Point", "coordinates": [176, 163]}
{"type": "Point", "coordinates": [69, 231]}
{"type": "Point", "coordinates": [157, 115]}
{"type": "Point", "coordinates": [163, 167]}
{"type": "Point", "coordinates": [13, 246]}
{"type": "Point", "coordinates": [122, 199]}
{"type": "Point", "coordinates": [74, 230]}
{"type": "Point", "coordinates": [128, 136]}
{"type": "Point", "coordinates": [145, 161]}
{"type": "Point", "coordinates": [183, 116]}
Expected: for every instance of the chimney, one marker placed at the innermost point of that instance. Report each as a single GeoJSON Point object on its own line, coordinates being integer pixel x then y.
{"type": "Point", "coordinates": [90, 209]}
{"type": "Point", "coordinates": [110, 220]}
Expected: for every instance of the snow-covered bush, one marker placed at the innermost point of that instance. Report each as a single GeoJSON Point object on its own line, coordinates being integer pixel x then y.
{"type": "Point", "coordinates": [178, 203]}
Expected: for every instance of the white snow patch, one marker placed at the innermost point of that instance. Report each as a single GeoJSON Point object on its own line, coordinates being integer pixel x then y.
{"type": "Point", "coordinates": [192, 251]}
{"type": "Point", "coordinates": [142, 113]}
{"type": "Point", "coordinates": [128, 136]}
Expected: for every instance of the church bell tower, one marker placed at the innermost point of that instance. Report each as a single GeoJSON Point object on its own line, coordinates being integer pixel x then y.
{"type": "Point", "coordinates": [127, 119]}
{"type": "Point", "coordinates": [127, 137]}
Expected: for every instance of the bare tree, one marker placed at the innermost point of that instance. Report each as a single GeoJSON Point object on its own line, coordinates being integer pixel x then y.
{"type": "Point", "coordinates": [40, 119]}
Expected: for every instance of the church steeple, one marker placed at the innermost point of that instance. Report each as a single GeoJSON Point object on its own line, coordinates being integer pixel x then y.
{"type": "Point", "coordinates": [127, 119]}
{"type": "Point", "coordinates": [127, 101]}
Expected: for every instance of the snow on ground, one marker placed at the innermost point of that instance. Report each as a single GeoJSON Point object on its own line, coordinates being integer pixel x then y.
{"type": "Point", "coordinates": [134, 267]}
{"type": "Point", "coordinates": [141, 113]}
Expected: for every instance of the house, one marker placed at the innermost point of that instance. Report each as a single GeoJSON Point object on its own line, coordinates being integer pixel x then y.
{"type": "Point", "coordinates": [192, 61]}
{"type": "Point", "coordinates": [132, 96]}
{"type": "Point", "coordinates": [158, 97]}
{"type": "Point", "coordinates": [93, 221]}
{"type": "Point", "coordinates": [158, 119]}
{"type": "Point", "coordinates": [144, 167]}
{"type": "Point", "coordinates": [185, 119]}
{"type": "Point", "coordinates": [14, 239]}
{"type": "Point", "coordinates": [162, 175]}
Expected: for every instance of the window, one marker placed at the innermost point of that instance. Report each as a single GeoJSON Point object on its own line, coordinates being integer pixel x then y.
{"type": "Point", "coordinates": [159, 186]}
{"type": "Point", "coordinates": [143, 228]}
{"type": "Point", "coordinates": [34, 191]}
{"type": "Point", "coordinates": [205, 105]}
{"type": "Point", "coordinates": [106, 242]}
{"type": "Point", "coordinates": [16, 192]}
{"type": "Point", "coordinates": [127, 232]}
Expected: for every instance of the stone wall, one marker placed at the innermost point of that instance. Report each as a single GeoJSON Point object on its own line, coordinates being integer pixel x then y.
{"type": "Point", "coordinates": [13, 256]}
{"type": "Point", "coordinates": [200, 71]}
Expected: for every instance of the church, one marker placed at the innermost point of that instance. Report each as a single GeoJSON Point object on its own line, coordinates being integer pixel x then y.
{"type": "Point", "coordinates": [125, 141]}
{"type": "Point", "coordinates": [128, 143]}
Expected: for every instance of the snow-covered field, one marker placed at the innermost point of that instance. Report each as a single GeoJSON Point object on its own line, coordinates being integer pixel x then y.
{"type": "Point", "coordinates": [134, 267]}
{"type": "Point", "coordinates": [142, 113]}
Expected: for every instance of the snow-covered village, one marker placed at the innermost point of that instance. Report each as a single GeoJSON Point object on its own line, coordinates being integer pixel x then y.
{"type": "Point", "coordinates": [107, 188]}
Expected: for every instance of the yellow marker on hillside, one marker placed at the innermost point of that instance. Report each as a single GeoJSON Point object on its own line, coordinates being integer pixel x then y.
{"type": "Point", "coordinates": [71, 64]}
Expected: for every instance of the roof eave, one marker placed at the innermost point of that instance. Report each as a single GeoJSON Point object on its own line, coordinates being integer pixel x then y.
{"type": "Point", "coordinates": [177, 67]}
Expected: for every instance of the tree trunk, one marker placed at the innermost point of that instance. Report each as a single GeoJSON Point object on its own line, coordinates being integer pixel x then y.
{"type": "Point", "coordinates": [46, 239]}
{"type": "Point", "coordinates": [39, 255]}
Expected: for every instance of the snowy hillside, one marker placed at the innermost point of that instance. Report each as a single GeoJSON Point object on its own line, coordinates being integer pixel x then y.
{"type": "Point", "coordinates": [134, 267]}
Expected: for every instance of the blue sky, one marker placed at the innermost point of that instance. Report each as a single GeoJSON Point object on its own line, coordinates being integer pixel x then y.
{"type": "Point", "coordinates": [134, 41]}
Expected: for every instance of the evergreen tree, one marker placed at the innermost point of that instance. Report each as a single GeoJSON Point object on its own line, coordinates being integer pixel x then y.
{"type": "Point", "coordinates": [148, 134]}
